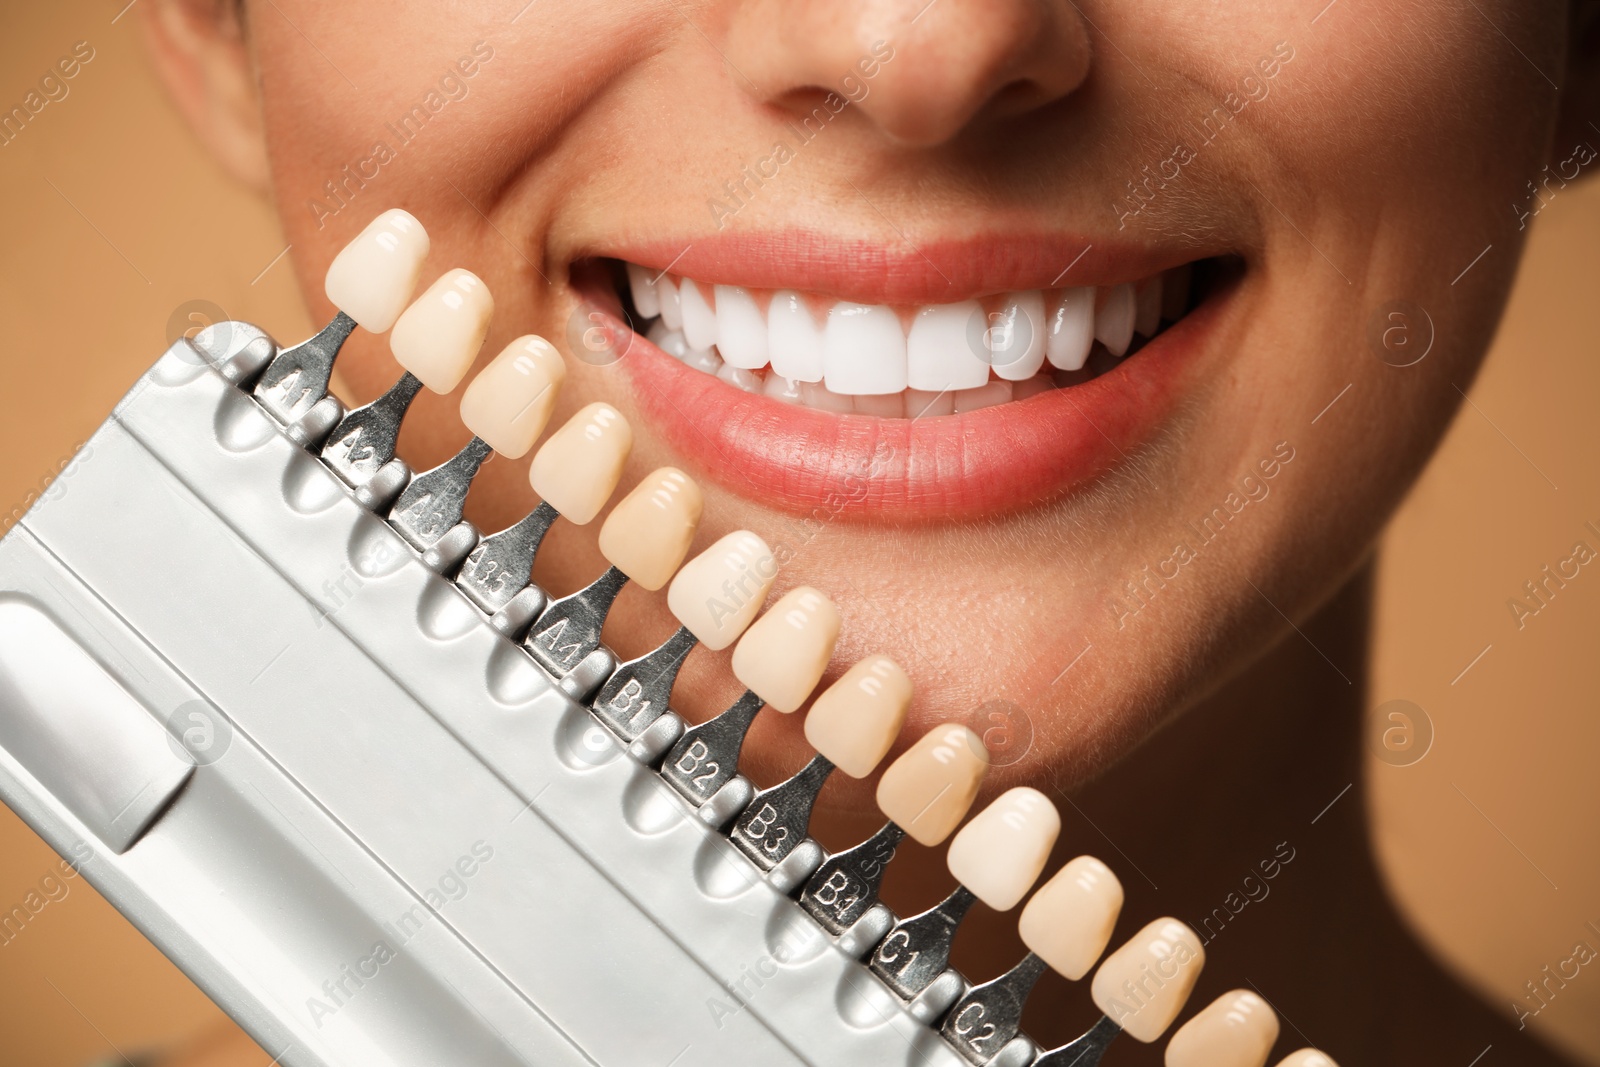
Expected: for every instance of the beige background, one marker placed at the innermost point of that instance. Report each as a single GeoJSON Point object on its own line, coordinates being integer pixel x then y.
{"type": "Point", "coordinates": [113, 221]}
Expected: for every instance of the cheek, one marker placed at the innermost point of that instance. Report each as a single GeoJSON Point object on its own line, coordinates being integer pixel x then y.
{"type": "Point", "coordinates": [1399, 109]}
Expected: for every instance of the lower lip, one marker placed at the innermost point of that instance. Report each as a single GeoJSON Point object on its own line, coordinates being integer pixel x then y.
{"type": "Point", "coordinates": [1000, 458]}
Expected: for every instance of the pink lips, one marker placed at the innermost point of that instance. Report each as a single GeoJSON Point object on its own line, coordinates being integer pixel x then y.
{"type": "Point", "coordinates": [995, 459]}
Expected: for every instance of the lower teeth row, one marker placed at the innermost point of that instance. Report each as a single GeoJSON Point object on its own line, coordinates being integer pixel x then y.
{"type": "Point", "coordinates": [907, 404]}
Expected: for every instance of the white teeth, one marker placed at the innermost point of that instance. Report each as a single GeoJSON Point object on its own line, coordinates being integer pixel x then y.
{"type": "Point", "coordinates": [645, 300]}
{"type": "Point", "coordinates": [863, 350]}
{"type": "Point", "coordinates": [982, 397]}
{"type": "Point", "coordinates": [1071, 329]}
{"type": "Point", "coordinates": [793, 340]}
{"type": "Point", "coordinates": [785, 389]}
{"type": "Point", "coordinates": [668, 340]}
{"type": "Point", "coordinates": [1015, 337]}
{"type": "Point", "coordinates": [671, 306]}
{"type": "Point", "coordinates": [940, 352]}
{"type": "Point", "coordinates": [739, 378]}
{"type": "Point", "coordinates": [861, 359]}
{"type": "Point", "coordinates": [1113, 323]}
{"type": "Point", "coordinates": [702, 359]}
{"type": "Point", "coordinates": [699, 320]}
{"type": "Point", "coordinates": [925, 405]}
{"type": "Point", "coordinates": [741, 329]}
{"type": "Point", "coordinates": [1147, 308]}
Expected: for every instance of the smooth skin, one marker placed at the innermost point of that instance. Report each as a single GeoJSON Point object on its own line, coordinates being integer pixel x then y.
{"type": "Point", "coordinates": [1399, 140]}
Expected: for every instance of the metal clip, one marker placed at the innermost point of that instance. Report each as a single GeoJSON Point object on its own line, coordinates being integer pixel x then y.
{"type": "Point", "coordinates": [364, 440]}
{"type": "Point", "coordinates": [846, 885]}
{"type": "Point", "coordinates": [917, 950]}
{"type": "Point", "coordinates": [777, 819]}
{"type": "Point", "coordinates": [297, 378]}
{"type": "Point", "coordinates": [432, 504]}
{"type": "Point", "coordinates": [707, 756]}
{"type": "Point", "coordinates": [570, 628]}
{"type": "Point", "coordinates": [502, 564]}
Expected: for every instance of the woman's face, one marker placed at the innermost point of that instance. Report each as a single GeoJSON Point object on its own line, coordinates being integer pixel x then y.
{"type": "Point", "coordinates": [1349, 186]}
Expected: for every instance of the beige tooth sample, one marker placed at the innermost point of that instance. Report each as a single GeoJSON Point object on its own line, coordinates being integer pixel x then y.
{"type": "Point", "coordinates": [647, 534]}
{"type": "Point", "coordinates": [576, 470]}
{"type": "Point", "coordinates": [1307, 1057]}
{"type": "Point", "coordinates": [439, 335]}
{"type": "Point", "coordinates": [509, 402]}
{"type": "Point", "coordinates": [1001, 852]}
{"type": "Point", "coordinates": [1143, 985]}
{"type": "Point", "coordinates": [373, 276]}
{"type": "Point", "coordinates": [782, 656]}
{"type": "Point", "coordinates": [717, 593]}
{"type": "Point", "coordinates": [1235, 1030]}
{"type": "Point", "coordinates": [928, 790]}
{"type": "Point", "coordinates": [856, 719]}
{"type": "Point", "coordinates": [1068, 922]}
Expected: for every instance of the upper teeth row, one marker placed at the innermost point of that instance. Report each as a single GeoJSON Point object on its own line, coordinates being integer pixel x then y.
{"type": "Point", "coordinates": [867, 350]}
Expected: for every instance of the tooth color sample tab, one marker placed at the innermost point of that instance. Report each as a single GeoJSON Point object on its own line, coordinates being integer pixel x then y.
{"type": "Point", "coordinates": [856, 719]}
{"type": "Point", "coordinates": [374, 275]}
{"type": "Point", "coordinates": [509, 403]}
{"type": "Point", "coordinates": [781, 658]}
{"type": "Point", "coordinates": [647, 534]}
{"type": "Point", "coordinates": [717, 593]}
{"type": "Point", "coordinates": [1000, 853]}
{"type": "Point", "coordinates": [928, 790]}
{"type": "Point", "coordinates": [1235, 1030]}
{"type": "Point", "coordinates": [439, 335]}
{"type": "Point", "coordinates": [1068, 922]}
{"type": "Point", "coordinates": [1307, 1057]}
{"type": "Point", "coordinates": [577, 469]}
{"type": "Point", "coordinates": [1143, 985]}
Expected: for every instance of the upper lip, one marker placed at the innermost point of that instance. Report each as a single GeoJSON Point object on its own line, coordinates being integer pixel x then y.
{"type": "Point", "coordinates": [903, 271]}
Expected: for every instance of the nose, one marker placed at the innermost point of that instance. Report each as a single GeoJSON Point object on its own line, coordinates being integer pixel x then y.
{"type": "Point", "coordinates": [920, 70]}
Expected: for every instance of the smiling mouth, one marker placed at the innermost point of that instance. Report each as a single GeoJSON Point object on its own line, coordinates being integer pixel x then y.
{"type": "Point", "coordinates": [907, 361]}
{"type": "Point", "coordinates": [859, 395]}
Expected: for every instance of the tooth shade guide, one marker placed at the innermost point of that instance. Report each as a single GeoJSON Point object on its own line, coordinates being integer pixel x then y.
{"type": "Point", "coordinates": [372, 277]}
{"type": "Point", "coordinates": [578, 467]}
{"type": "Point", "coordinates": [917, 950]}
{"type": "Point", "coordinates": [438, 336]}
{"type": "Point", "coordinates": [1237, 1029]}
{"type": "Point", "coordinates": [1001, 851]}
{"type": "Point", "coordinates": [1143, 985]}
{"type": "Point", "coordinates": [855, 721]}
{"type": "Point", "coordinates": [363, 442]}
{"type": "Point", "coordinates": [508, 403]}
{"type": "Point", "coordinates": [783, 655]}
{"type": "Point", "coordinates": [928, 789]}
{"type": "Point", "coordinates": [716, 594]}
{"type": "Point", "coordinates": [1307, 1057]}
{"type": "Point", "coordinates": [648, 532]}
{"type": "Point", "coordinates": [983, 1021]}
{"type": "Point", "coordinates": [1069, 920]}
